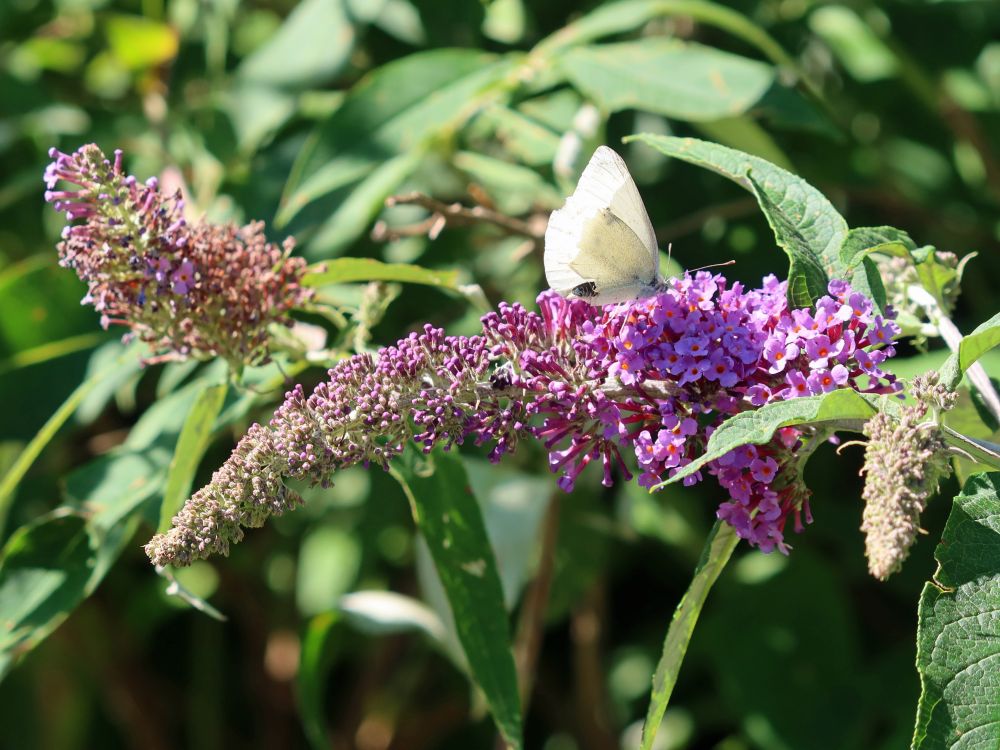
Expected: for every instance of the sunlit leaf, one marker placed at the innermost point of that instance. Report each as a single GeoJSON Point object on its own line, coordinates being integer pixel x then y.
{"type": "Point", "coordinates": [191, 445]}
{"type": "Point", "coordinates": [799, 214]}
{"type": "Point", "coordinates": [844, 408]}
{"type": "Point", "coordinates": [703, 84]}
{"type": "Point", "coordinates": [347, 270]}
{"type": "Point", "coordinates": [138, 42]}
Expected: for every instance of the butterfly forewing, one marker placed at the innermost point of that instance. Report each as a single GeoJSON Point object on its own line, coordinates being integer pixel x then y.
{"type": "Point", "coordinates": [602, 239]}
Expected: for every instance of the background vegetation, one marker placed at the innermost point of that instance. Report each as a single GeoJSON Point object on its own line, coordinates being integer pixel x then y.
{"type": "Point", "coordinates": [271, 110]}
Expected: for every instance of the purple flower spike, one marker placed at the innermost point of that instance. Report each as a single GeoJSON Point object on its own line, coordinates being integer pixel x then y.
{"type": "Point", "coordinates": [650, 379]}
{"type": "Point", "coordinates": [137, 255]}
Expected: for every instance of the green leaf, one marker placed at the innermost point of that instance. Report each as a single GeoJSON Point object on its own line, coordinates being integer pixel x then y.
{"type": "Point", "coordinates": [855, 253]}
{"type": "Point", "coordinates": [40, 303]}
{"type": "Point", "coordinates": [50, 566]}
{"type": "Point", "coordinates": [313, 44]}
{"type": "Point", "coordinates": [975, 345]}
{"type": "Point", "coordinates": [844, 408]}
{"type": "Point", "coordinates": [704, 83]}
{"type": "Point", "coordinates": [448, 515]}
{"type": "Point", "coordinates": [191, 445]}
{"type": "Point", "coordinates": [356, 213]}
{"type": "Point", "coordinates": [37, 444]}
{"type": "Point", "coordinates": [44, 571]}
{"type": "Point", "coordinates": [716, 553]}
{"type": "Point", "coordinates": [348, 270]}
{"type": "Point", "coordinates": [392, 110]}
{"type": "Point", "coordinates": [619, 17]}
{"type": "Point", "coordinates": [958, 644]}
{"type": "Point", "coordinates": [314, 662]}
{"type": "Point", "coordinates": [807, 281]}
{"type": "Point", "coordinates": [798, 212]}
{"type": "Point", "coordinates": [139, 43]}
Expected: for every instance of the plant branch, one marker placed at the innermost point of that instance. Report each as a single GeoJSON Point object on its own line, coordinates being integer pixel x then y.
{"type": "Point", "coordinates": [455, 215]}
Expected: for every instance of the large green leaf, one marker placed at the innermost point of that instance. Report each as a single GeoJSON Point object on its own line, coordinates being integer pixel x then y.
{"type": "Point", "coordinates": [678, 79]}
{"type": "Point", "coordinates": [447, 514]}
{"type": "Point", "coordinates": [798, 212]}
{"type": "Point", "coordinates": [61, 560]}
{"type": "Point", "coordinates": [844, 408]}
{"type": "Point", "coordinates": [958, 635]}
{"type": "Point", "coordinates": [389, 113]}
{"type": "Point", "coordinates": [975, 345]}
{"type": "Point", "coordinates": [50, 566]}
{"type": "Point", "coordinates": [807, 281]}
{"type": "Point", "coordinates": [123, 362]}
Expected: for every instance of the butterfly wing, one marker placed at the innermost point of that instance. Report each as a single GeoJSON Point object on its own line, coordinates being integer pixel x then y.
{"type": "Point", "coordinates": [602, 242]}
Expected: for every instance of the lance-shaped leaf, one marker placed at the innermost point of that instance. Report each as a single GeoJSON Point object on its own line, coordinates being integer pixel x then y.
{"type": "Point", "coordinates": [845, 409]}
{"type": "Point", "coordinates": [958, 634]}
{"type": "Point", "coordinates": [449, 517]}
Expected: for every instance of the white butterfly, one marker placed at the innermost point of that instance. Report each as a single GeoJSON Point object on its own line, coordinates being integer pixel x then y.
{"type": "Point", "coordinates": [600, 246]}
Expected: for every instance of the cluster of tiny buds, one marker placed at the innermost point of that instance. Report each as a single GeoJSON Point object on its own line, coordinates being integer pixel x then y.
{"type": "Point", "coordinates": [187, 289]}
{"type": "Point", "coordinates": [905, 460]}
{"type": "Point", "coordinates": [639, 384]}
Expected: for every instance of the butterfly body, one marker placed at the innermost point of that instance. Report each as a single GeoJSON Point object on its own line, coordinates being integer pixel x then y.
{"type": "Point", "coordinates": [600, 246]}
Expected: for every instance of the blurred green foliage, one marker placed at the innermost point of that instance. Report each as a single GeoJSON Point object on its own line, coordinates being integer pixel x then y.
{"type": "Point", "coordinates": [308, 116]}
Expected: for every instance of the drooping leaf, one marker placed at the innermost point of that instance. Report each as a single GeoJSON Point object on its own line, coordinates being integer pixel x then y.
{"type": "Point", "coordinates": [958, 633]}
{"type": "Point", "coordinates": [975, 345]}
{"type": "Point", "coordinates": [703, 83]}
{"type": "Point", "coordinates": [844, 408]}
{"type": "Point", "coordinates": [447, 514]}
{"type": "Point", "coordinates": [191, 445]}
{"type": "Point", "coordinates": [44, 571]}
{"type": "Point", "coordinates": [50, 566]}
{"type": "Point", "coordinates": [807, 281]}
{"type": "Point", "coordinates": [789, 202]}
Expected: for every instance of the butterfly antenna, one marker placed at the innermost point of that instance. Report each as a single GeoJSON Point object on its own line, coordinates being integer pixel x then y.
{"type": "Point", "coordinates": [713, 265]}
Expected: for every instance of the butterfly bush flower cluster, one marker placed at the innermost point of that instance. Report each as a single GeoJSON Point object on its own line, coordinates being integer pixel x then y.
{"type": "Point", "coordinates": [187, 289]}
{"type": "Point", "coordinates": [650, 379]}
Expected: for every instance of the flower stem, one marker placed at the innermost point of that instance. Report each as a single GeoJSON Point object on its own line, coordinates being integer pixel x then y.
{"type": "Point", "coordinates": [953, 338]}
{"type": "Point", "coordinates": [718, 548]}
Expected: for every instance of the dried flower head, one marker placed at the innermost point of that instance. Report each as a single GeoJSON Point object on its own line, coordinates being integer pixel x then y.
{"type": "Point", "coordinates": [651, 379]}
{"type": "Point", "coordinates": [188, 290]}
{"type": "Point", "coordinates": [905, 460]}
